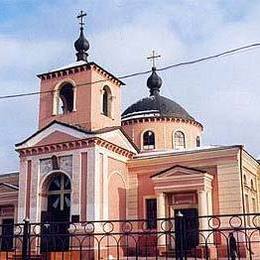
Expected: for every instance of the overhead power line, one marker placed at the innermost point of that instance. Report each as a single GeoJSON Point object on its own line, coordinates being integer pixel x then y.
{"type": "Point", "coordinates": [185, 63]}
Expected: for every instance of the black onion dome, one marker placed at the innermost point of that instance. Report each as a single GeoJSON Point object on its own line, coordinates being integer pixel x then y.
{"type": "Point", "coordinates": [158, 106]}
{"type": "Point", "coordinates": [81, 45]}
{"type": "Point", "coordinates": [154, 82]}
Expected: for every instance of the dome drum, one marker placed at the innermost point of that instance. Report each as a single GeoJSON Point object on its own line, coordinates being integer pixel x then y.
{"type": "Point", "coordinates": [163, 129]}
{"type": "Point", "coordinates": [151, 118]}
{"type": "Point", "coordinates": [163, 117]}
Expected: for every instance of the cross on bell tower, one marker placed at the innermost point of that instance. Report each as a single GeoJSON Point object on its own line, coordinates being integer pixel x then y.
{"type": "Point", "coordinates": [153, 57]}
{"type": "Point", "coordinates": [81, 44]}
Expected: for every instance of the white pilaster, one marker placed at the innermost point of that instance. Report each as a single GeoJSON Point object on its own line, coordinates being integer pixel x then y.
{"type": "Point", "coordinates": [210, 206]}
{"type": "Point", "coordinates": [35, 205]}
{"type": "Point", "coordinates": [161, 207]}
{"type": "Point", "coordinates": [75, 184]}
{"type": "Point", "coordinates": [161, 213]}
{"type": "Point", "coordinates": [91, 185]}
{"type": "Point", "coordinates": [97, 184]}
{"type": "Point", "coordinates": [22, 190]}
{"type": "Point", "coordinates": [205, 209]}
{"type": "Point", "coordinates": [105, 186]}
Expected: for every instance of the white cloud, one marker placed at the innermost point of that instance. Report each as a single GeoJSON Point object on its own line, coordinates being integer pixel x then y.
{"type": "Point", "coordinates": [25, 54]}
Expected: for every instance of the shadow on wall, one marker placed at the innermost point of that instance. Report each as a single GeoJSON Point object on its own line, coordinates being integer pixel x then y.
{"type": "Point", "coordinates": [117, 198]}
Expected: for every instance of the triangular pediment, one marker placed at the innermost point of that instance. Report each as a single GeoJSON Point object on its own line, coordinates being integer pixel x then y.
{"type": "Point", "coordinates": [54, 133]}
{"type": "Point", "coordinates": [177, 170]}
{"type": "Point", "coordinates": [56, 137]}
{"type": "Point", "coordinates": [118, 138]}
{"type": "Point", "coordinates": [6, 187]}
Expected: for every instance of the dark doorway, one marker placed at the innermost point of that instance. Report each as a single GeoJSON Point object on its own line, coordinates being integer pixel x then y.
{"type": "Point", "coordinates": [55, 221]}
{"type": "Point", "coordinates": [7, 234]}
{"type": "Point", "coordinates": [187, 230]}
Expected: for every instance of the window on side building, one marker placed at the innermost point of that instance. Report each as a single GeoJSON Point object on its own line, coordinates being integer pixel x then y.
{"type": "Point", "coordinates": [197, 141]}
{"type": "Point", "coordinates": [244, 180]}
{"type": "Point", "coordinates": [252, 185]}
{"type": "Point", "coordinates": [254, 205]}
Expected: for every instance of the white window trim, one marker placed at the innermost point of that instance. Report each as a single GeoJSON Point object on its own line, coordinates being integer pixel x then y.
{"type": "Point", "coordinates": [110, 99]}
{"type": "Point", "coordinates": [173, 139]}
{"type": "Point", "coordinates": [142, 139]}
{"type": "Point", "coordinates": [144, 204]}
{"type": "Point", "coordinates": [56, 97]}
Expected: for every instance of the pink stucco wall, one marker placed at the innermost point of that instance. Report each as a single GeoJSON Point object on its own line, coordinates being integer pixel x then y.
{"type": "Point", "coordinates": [88, 112]}
{"type": "Point", "coordinates": [117, 189]}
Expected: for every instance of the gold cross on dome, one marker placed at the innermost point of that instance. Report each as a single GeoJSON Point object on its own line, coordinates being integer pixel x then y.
{"type": "Point", "coordinates": [81, 16]}
{"type": "Point", "coordinates": [153, 57]}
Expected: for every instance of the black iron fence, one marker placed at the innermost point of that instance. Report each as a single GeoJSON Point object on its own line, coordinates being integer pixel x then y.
{"type": "Point", "coordinates": [207, 237]}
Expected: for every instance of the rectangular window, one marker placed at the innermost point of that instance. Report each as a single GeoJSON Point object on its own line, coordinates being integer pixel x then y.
{"type": "Point", "coordinates": [151, 213]}
{"type": "Point", "coordinates": [247, 208]}
{"type": "Point", "coordinates": [254, 205]}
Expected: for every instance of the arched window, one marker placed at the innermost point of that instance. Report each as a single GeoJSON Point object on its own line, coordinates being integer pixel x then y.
{"type": "Point", "coordinates": [148, 140]}
{"type": "Point", "coordinates": [106, 101]}
{"type": "Point", "coordinates": [197, 141]}
{"type": "Point", "coordinates": [252, 185]}
{"type": "Point", "coordinates": [59, 194]}
{"type": "Point", "coordinates": [179, 140]}
{"type": "Point", "coordinates": [58, 212]}
{"type": "Point", "coordinates": [66, 99]}
{"type": "Point", "coordinates": [244, 180]}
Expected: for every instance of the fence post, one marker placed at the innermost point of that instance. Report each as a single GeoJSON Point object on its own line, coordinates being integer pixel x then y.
{"type": "Point", "coordinates": [26, 240]}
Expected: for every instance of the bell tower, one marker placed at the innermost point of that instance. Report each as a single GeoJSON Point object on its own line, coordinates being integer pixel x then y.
{"type": "Point", "coordinates": [81, 93]}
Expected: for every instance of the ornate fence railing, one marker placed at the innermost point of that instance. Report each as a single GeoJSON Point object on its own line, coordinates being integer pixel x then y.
{"type": "Point", "coordinates": [206, 237]}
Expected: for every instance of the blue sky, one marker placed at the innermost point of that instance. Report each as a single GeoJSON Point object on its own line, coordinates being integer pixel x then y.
{"type": "Point", "coordinates": [37, 36]}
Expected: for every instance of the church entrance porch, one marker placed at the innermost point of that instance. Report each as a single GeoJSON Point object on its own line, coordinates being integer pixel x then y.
{"type": "Point", "coordinates": [186, 192]}
{"type": "Point", "coordinates": [56, 218]}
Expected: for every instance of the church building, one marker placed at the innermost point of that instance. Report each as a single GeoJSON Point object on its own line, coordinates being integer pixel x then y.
{"type": "Point", "coordinates": [91, 161]}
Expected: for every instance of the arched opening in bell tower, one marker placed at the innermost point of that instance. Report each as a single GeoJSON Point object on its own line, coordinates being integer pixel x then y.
{"type": "Point", "coordinates": [106, 101]}
{"type": "Point", "coordinates": [66, 99]}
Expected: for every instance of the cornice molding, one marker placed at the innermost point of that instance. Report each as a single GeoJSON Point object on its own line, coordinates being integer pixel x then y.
{"type": "Point", "coordinates": [126, 122]}
{"type": "Point", "coordinates": [80, 68]}
{"type": "Point", "coordinates": [73, 145]}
